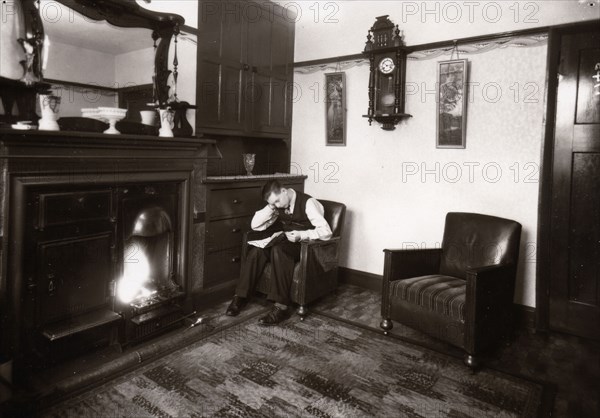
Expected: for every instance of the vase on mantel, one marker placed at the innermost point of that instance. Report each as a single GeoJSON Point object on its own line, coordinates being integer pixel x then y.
{"type": "Point", "coordinates": [49, 107]}
{"type": "Point", "coordinates": [166, 123]}
{"type": "Point", "coordinates": [148, 117]}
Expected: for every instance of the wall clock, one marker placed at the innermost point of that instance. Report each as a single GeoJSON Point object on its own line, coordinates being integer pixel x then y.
{"type": "Point", "coordinates": [387, 56]}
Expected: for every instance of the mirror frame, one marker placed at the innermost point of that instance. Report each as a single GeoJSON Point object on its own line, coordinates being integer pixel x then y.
{"type": "Point", "coordinates": [129, 14]}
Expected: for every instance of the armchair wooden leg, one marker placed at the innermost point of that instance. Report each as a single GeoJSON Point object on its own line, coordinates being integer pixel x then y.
{"type": "Point", "coordinates": [472, 361]}
{"type": "Point", "coordinates": [386, 324]}
{"type": "Point", "coordinates": [302, 311]}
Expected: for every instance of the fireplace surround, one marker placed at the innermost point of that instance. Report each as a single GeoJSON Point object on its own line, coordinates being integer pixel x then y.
{"type": "Point", "coordinates": [97, 232]}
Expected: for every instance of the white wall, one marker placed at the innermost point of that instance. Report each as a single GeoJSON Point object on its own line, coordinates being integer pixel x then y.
{"type": "Point", "coordinates": [397, 185]}
{"type": "Point", "coordinates": [134, 68]}
{"type": "Point", "coordinates": [327, 28]}
{"type": "Point", "coordinates": [81, 65]}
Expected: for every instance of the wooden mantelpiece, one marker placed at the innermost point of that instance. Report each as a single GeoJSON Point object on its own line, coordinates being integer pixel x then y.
{"type": "Point", "coordinates": [53, 144]}
{"type": "Point", "coordinates": [62, 188]}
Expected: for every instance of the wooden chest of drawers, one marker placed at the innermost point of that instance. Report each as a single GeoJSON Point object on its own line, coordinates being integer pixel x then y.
{"type": "Point", "coordinates": [231, 203]}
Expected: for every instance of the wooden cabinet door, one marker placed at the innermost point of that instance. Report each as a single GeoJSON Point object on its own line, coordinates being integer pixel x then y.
{"type": "Point", "coordinates": [245, 69]}
{"type": "Point", "coordinates": [221, 69]}
{"type": "Point", "coordinates": [258, 103]}
{"type": "Point", "coordinates": [271, 57]}
{"type": "Point", "coordinates": [282, 76]}
{"type": "Point", "coordinates": [574, 304]}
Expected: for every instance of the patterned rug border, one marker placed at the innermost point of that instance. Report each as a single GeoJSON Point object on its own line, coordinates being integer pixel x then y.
{"type": "Point", "coordinates": [548, 389]}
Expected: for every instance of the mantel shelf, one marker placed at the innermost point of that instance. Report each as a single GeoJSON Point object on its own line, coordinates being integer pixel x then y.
{"type": "Point", "coordinates": [73, 136]}
{"type": "Point", "coordinates": [85, 145]}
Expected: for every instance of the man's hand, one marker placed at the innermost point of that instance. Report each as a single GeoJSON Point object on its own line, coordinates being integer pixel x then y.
{"type": "Point", "coordinates": [293, 236]}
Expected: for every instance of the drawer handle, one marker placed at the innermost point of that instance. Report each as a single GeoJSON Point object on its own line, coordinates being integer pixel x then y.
{"type": "Point", "coordinates": [235, 259]}
{"type": "Point", "coordinates": [236, 201]}
{"type": "Point", "coordinates": [235, 230]}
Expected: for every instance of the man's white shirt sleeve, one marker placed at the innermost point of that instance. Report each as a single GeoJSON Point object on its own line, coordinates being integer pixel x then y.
{"type": "Point", "coordinates": [315, 213]}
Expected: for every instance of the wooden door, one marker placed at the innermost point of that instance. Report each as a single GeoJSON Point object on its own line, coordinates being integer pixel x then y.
{"type": "Point", "coordinates": [574, 293]}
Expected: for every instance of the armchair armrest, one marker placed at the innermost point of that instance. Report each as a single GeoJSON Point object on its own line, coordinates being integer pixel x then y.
{"type": "Point", "coordinates": [494, 283]}
{"type": "Point", "coordinates": [314, 243]}
{"type": "Point", "coordinates": [403, 264]}
{"type": "Point", "coordinates": [318, 256]}
{"type": "Point", "coordinates": [489, 301]}
{"type": "Point", "coordinates": [319, 261]}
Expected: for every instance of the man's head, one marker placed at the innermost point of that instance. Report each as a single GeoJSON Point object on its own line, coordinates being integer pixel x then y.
{"type": "Point", "coordinates": [276, 195]}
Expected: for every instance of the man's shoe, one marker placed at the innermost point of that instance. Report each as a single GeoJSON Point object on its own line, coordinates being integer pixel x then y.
{"type": "Point", "coordinates": [236, 306]}
{"type": "Point", "coordinates": [275, 316]}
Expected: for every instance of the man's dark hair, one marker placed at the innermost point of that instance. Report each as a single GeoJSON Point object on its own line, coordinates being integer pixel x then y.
{"type": "Point", "coordinates": [271, 186]}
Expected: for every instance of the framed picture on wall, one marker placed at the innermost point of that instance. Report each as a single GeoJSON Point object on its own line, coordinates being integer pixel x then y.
{"type": "Point", "coordinates": [452, 104]}
{"type": "Point", "coordinates": [335, 109]}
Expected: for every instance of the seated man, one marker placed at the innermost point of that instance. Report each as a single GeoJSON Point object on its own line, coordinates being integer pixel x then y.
{"type": "Point", "coordinates": [301, 218]}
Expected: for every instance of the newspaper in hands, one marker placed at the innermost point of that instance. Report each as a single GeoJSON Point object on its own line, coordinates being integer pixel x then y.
{"type": "Point", "coordinates": [276, 238]}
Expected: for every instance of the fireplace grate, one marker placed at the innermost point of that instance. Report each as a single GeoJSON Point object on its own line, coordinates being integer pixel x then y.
{"type": "Point", "coordinates": [155, 321]}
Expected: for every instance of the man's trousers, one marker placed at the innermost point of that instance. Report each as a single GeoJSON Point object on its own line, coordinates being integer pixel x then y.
{"type": "Point", "coordinates": [283, 258]}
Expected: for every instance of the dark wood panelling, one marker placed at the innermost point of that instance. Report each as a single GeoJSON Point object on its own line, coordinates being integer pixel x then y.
{"type": "Point", "coordinates": [584, 234]}
{"type": "Point", "coordinates": [272, 156]}
{"type": "Point", "coordinates": [75, 276]}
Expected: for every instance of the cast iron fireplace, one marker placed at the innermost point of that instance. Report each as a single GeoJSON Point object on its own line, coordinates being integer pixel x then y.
{"type": "Point", "coordinates": [97, 242]}
{"type": "Point", "coordinates": [106, 268]}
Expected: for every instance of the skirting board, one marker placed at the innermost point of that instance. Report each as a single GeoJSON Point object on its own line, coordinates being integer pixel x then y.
{"type": "Point", "coordinates": [525, 315]}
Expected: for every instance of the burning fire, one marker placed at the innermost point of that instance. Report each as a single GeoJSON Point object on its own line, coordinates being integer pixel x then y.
{"type": "Point", "coordinates": [135, 276]}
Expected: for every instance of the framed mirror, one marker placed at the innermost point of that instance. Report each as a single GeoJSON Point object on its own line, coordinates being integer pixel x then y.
{"type": "Point", "coordinates": [92, 50]}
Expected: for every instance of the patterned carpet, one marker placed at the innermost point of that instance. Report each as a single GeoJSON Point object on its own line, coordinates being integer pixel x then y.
{"type": "Point", "coordinates": [320, 367]}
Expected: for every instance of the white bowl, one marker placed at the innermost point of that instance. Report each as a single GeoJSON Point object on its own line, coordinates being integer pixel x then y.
{"type": "Point", "coordinates": [112, 112]}
{"type": "Point", "coordinates": [112, 115]}
{"type": "Point", "coordinates": [90, 112]}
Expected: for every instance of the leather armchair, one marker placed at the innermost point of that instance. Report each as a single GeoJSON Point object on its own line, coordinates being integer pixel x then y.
{"type": "Point", "coordinates": [316, 274]}
{"type": "Point", "coordinates": [461, 293]}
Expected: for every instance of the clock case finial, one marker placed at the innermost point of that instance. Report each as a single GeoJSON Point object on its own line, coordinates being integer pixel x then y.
{"type": "Point", "coordinates": [385, 43]}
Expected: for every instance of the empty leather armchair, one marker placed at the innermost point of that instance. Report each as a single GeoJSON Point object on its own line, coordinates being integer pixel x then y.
{"type": "Point", "coordinates": [316, 274]}
{"type": "Point", "coordinates": [461, 293]}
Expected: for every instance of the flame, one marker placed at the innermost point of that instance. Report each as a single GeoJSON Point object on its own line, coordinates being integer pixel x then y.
{"type": "Point", "coordinates": [136, 274]}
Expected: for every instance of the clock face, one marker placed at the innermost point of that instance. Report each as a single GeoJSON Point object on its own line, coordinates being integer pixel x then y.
{"type": "Point", "coordinates": [386, 65]}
